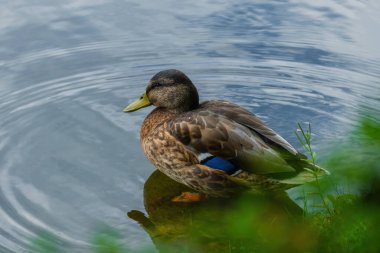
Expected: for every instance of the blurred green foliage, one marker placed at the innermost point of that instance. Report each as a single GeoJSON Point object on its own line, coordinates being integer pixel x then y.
{"type": "Point", "coordinates": [267, 223]}
{"type": "Point", "coordinates": [107, 241]}
{"type": "Point", "coordinates": [45, 243]}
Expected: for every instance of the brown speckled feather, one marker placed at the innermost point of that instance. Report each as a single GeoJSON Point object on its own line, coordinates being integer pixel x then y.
{"type": "Point", "coordinates": [179, 161]}
{"type": "Point", "coordinates": [173, 143]}
{"type": "Point", "coordinates": [215, 129]}
{"type": "Point", "coordinates": [248, 119]}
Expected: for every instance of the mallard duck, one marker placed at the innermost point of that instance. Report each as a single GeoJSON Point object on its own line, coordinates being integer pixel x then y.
{"type": "Point", "coordinates": [215, 147]}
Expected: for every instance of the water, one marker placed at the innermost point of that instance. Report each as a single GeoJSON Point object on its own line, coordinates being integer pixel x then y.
{"type": "Point", "coordinates": [70, 160]}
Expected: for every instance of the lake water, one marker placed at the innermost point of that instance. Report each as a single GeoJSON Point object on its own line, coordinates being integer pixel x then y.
{"type": "Point", "coordinates": [70, 160]}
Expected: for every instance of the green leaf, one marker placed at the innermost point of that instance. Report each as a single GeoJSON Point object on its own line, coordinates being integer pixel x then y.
{"type": "Point", "coordinates": [314, 156]}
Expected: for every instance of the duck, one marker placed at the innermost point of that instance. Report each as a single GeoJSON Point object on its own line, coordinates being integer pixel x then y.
{"type": "Point", "coordinates": [216, 148]}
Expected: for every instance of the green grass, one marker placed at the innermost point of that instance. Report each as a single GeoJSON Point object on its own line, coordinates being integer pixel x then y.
{"type": "Point", "coordinates": [305, 138]}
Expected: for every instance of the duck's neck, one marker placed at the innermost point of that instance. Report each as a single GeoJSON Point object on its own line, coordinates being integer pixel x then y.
{"type": "Point", "coordinates": [156, 117]}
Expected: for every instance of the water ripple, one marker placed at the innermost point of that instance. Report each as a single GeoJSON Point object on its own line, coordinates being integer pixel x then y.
{"type": "Point", "coordinates": [69, 158]}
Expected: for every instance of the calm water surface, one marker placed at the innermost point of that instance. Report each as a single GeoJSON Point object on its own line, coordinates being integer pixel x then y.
{"type": "Point", "coordinates": [70, 160]}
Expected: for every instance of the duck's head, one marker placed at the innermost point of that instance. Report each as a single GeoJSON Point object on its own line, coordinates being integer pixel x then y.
{"type": "Point", "coordinates": [169, 89]}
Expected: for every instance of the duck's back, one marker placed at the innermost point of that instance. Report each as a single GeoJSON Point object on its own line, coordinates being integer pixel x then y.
{"type": "Point", "coordinates": [232, 133]}
{"type": "Point", "coordinates": [244, 117]}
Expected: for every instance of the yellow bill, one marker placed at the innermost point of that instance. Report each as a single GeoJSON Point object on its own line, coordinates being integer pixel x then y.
{"type": "Point", "coordinates": [142, 102]}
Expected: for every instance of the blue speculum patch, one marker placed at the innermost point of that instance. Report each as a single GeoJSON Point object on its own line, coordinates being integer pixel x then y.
{"type": "Point", "coordinates": [215, 162]}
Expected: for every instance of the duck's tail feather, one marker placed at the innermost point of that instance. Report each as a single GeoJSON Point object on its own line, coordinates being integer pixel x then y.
{"type": "Point", "coordinates": [310, 173]}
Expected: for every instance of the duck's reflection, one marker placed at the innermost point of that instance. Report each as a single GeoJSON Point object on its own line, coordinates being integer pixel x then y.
{"type": "Point", "coordinates": [212, 225]}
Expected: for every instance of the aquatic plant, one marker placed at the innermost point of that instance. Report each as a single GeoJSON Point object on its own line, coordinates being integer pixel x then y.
{"type": "Point", "coordinates": [304, 137]}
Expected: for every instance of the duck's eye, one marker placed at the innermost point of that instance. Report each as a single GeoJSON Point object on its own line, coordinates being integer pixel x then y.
{"type": "Point", "coordinates": [154, 85]}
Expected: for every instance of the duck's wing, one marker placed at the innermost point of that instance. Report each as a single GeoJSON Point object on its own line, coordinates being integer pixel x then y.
{"type": "Point", "coordinates": [248, 119]}
{"type": "Point", "coordinates": [206, 131]}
